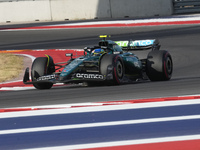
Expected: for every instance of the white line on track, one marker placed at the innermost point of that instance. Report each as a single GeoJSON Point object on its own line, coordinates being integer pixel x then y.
{"type": "Point", "coordinates": [123, 143]}
{"type": "Point", "coordinates": [26, 55]}
{"type": "Point", "coordinates": [64, 108]}
{"type": "Point", "coordinates": [89, 125]}
{"type": "Point", "coordinates": [16, 88]}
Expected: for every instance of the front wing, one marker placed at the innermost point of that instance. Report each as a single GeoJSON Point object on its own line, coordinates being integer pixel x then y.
{"type": "Point", "coordinates": [54, 78]}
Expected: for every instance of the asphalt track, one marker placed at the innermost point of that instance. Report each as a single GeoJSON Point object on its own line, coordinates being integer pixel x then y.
{"type": "Point", "coordinates": [182, 41]}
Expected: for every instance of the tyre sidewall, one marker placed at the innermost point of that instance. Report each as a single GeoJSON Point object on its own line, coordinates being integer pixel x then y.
{"type": "Point", "coordinates": [159, 65]}
{"type": "Point", "coordinates": [39, 68]}
{"type": "Point", "coordinates": [116, 62]}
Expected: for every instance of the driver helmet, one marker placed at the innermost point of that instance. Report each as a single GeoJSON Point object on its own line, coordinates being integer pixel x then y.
{"type": "Point", "coordinates": [98, 51]}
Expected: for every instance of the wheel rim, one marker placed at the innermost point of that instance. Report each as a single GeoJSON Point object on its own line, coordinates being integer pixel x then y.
{"type": "Point", "coordinates": [119, 69]}
{"type": "Point", "coordinates": [169, 65]}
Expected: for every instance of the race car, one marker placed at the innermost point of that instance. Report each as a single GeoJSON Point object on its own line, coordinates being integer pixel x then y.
{"type": "Point", "coordinates": [110, 63]}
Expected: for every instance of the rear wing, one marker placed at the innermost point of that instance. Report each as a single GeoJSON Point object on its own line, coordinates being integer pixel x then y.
{"type": "Point", "coordinates": [139, 44]}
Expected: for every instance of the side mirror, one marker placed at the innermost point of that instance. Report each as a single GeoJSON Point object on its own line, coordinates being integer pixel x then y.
{"type": "Point", "coordinates": [69, 55]}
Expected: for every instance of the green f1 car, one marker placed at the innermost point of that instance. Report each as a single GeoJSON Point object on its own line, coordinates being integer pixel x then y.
{"type": "Point", "coordinates": [110, 63]}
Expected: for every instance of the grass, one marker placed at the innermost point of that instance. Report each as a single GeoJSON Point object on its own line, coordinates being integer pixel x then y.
{"type": "Point", "coordinates": [10, 66]}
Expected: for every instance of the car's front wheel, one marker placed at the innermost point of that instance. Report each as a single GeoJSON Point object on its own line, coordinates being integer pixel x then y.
{"type": "Point", "coordinates": [42, 66]}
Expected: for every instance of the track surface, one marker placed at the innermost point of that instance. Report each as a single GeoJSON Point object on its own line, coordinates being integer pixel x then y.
{"type": "Point", "coordinates": [181, 41]}
{"type": "Point", "coordinates": [170, 125]}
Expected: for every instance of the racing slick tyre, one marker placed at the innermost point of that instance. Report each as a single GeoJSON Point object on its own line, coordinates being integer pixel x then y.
{"type": "Point", "coordinates": [159, 65]}
{"type": "Point", "coordinates": [112, 67]}
{"type": "Point", "coordinates": [42, 66]}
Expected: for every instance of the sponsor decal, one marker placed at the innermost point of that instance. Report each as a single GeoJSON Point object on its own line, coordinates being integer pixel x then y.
{"type": "Point", "coordinates": [122, 43]}
{"type": "Point", "coordinates": [135, 43]}
{"type": "Point", "coordinates": [110, 67]}
{"type": "Point", "coordinates": [136, 64]}
{"type": "Point", "coordinates": [116, 52]}
{"type": "Point", "coordinates": [47, 77]}
{"type": "Point", "coordinates": [142, 43]}
{"type": "Point", "coordinates": [88, 76]}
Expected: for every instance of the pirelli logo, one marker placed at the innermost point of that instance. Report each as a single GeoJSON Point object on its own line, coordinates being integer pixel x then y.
{"type": "Point", "coordinates": [89, 76]}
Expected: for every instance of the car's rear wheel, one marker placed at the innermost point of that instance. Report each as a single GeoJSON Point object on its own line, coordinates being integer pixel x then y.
{"type": "Point", "coordinates": [112, 67]}
{"type": "Point", "coordinates": [159, 65]}
{"type": "Point", "coordinates": [40, 67]}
